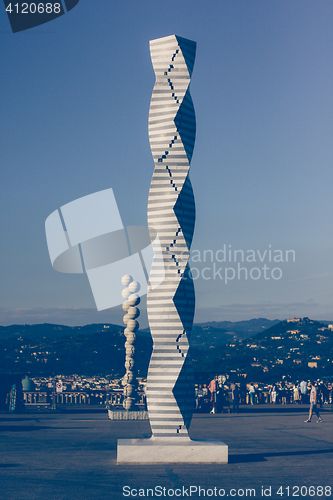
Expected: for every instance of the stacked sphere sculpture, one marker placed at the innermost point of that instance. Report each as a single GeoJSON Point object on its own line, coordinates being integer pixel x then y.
{"type": "Point", "coordinates": [132, 312]}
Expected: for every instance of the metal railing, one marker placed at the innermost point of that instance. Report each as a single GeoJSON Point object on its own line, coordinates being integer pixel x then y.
{"type": "Point", "coordinates": [49, 398]}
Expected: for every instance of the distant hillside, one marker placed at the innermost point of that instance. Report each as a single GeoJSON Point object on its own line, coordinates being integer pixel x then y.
{"type": "Point", "coordinates": [100, 352]}
{"type": "Point", "coordinates": [212, 333]}
{"type": "Point", "coordinates": [98, 348]}
{"type": "Point", "coordinates": [284, 349]}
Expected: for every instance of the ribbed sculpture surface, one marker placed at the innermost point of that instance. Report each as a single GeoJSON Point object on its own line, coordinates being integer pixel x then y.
{"type": "Point", "coordinates": [171, 212]}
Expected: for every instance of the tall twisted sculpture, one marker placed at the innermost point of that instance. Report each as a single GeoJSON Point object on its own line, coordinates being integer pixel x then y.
{"type": "Point", "coordinates": [170, 298]}
{"type": "Point", "coordinates": [171, 212]}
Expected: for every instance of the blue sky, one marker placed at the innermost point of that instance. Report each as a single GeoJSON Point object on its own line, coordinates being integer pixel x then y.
{"type": "Point", "coordinates": [75, 101]}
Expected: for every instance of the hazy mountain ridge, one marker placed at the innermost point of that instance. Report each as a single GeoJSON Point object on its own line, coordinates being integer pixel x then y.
{"type": "Point", "coordinates": [96, 348]}
{"type": "Point", "coordinates": [252, 325]}
{"type": "Point", "coordinates": [286, 347]}
{"type": "Point", "coordinates": [240, 329]}
{"type": "Point", "coordinates": [54, 331]}
{"type": "Point", "coordinates": [219, 333]}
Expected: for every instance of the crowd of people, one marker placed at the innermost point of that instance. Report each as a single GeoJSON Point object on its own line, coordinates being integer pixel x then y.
{"type": "Point", "coordinates": [218, 396]}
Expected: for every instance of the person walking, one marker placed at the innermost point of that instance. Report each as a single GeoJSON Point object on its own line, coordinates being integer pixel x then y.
{"type": "Point", "coordinates": [313, 404]}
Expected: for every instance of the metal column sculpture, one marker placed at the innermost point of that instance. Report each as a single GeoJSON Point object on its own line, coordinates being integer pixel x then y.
{"type": "Point", "coordinates": [171, 212]}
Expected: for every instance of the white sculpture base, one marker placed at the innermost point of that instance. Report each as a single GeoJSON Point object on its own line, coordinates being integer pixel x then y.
{"type": "Point", "coordinates": [171, 450]}
{"type": "Point", "coordinates": [128, 415]}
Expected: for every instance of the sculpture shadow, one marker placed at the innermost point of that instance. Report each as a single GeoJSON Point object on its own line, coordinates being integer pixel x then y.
{"type": "Point", "coordinates": [29, 428]}
{"type": "Point", "coordinates": [3, 466]}
{"type": "Point", "coordinates": [262, 457]}
{"type": "Point", "coordinates": [18, 419]}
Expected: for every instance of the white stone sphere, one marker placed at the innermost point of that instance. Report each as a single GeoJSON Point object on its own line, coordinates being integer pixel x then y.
{"type": "Point", "coordinates": [128, 390]}
{"type": "Point", "coordinates": [126, 305]}
{"type": "Point", "coordinates": [127, 378]}
{"type": "Point", "coordinates": [131, 337]}
{"type": "Point", "coordinates": [126, 293]}
{"type": "Point", "coordinates": [134, 299]}
{"type": "Point", "coordinates": [133, 312]}
{"type": "Point", "coordinates": [132, 325]}
{"type": "Point", "coordinates": [126, 279]}
{"type": "Point", "coordinates": [128, 403]}
{"type": "Point", "coordinates": [134, 286]}
{"type": "Point", "coordinates": [126, 319]}
{"type": "Point", "coordinates": [130, 352]}
{"type": "Point", "coordinates": [129, 331]}
{"type": "Point", "coordinates": [129, 363]}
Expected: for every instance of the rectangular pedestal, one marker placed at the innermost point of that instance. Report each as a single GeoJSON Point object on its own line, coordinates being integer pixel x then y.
{"type": "Point", "coordinates": [171, 450]}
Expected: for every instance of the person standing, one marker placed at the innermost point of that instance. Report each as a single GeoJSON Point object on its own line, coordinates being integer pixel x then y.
{"type": "Point", "coordinates": [283, 393]}
{"type": "Point", "coordinates": [325, 392]}
{"type": "Point", "coordinates": [220, 397]}
{"type": "Point", "coordinates": [273, 394]}
{"type": "Point", "coordinates": [198, 397]}
{"type": "Point", "coordinates": [303, 388]}
{"type": "Point", "coordinates": [228, 398]}
{"type": "Point", "coordinates": [235, 399]}
{"type": "Point", "coordinates": [212, 390]}
{"type": "Point", "coordinates": [205, 399]}
{"type": "Point", "coordinates": [252, 392]}
{"type": "Point", "coordinates": [296, 393]}
{"type": "Point", "coordinates": [320, 393]}
{"type": "Point", "coordinates": [313, 404]}
{"type": "Point", "coordinates": [242, 390]}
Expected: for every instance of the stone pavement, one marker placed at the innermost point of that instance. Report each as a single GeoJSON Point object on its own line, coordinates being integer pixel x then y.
{"type": "Point", "coordinates": [72, 456]}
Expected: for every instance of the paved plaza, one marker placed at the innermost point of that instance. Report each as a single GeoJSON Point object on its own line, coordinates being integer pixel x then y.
{"type": "Point", "coordinates": [72, 456]}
